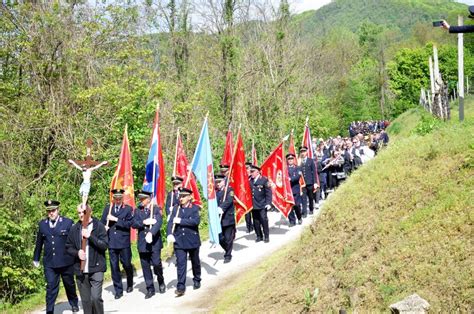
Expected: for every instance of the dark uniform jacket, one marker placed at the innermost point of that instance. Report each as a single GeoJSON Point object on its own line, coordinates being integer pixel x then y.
{"type": "Point", "coordinates": [140, 215]}
{"type": "Point", "coordinates": [261, 192]}
{"type": "Point", "coordinates": [227, 205]}
{"type": "Point", "coordinates": [119, 231]}
{"type": "Point", "coordinates": [186, 233]}
{"type": "Point", "coordinates": [168, 204]}
{"type": "Point", "coordinates": [294, 175]}
{"type": "Point", "coordinates": [309, 171]}
{"type": "Point", "coordinates": [98, 244]}
{"type": "Point", "coordinates": [54, 241]}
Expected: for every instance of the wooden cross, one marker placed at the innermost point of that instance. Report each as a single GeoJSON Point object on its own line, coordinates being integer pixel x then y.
{"type": "Point", "coordinates": [88, 162]}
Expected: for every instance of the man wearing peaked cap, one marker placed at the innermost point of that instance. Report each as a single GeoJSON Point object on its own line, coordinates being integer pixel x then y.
{"type": "Point", "coordinates": [262, 202]}
{"type": "Point", "coordinates": [294, 173]}
{"type": "Point", "coordinates": [225, 201]}
{"type": "Point", "coordinates": [224, 169]}
{"type": "Point", "coordinates": [148, 221]}
{"type": "Point", "coordinates": [183, 232]}
{"type": "Point", "coordinates": [308, 168]}
{"type": "Point", "coordinates": [248, 216]}
{"type": "Point", "coordinates": [52, 235]}
{"type": "Point", "coordinates": [117, 219]}
{"type": "Point", "coordinates": [173, 195]}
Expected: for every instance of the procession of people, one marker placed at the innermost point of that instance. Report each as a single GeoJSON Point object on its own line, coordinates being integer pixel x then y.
{"type": "Point", "coordinates": [76, 252]}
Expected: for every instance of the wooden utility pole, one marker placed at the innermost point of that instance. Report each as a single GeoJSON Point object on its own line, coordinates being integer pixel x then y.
{"type": "Point", "coordinates": [461, 71]}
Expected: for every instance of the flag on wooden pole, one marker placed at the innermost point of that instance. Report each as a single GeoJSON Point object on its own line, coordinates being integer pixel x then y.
{"type": "Point", "coordinates": [239, 181]}
{"type": "Point", "coordinates": [275, 169]}
{"type": "Point", "coordinates": [228, 149]}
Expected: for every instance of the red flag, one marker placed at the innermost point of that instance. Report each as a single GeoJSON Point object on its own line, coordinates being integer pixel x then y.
{"type": "Point", "coordinates": [239, 181]}
{"type": "Point", "coordinates": [275, 169]}
{"type": "Point", "coordinates": [123, 176]}
{"type": "Point", "coordinates": [182, 169]}
{"type": "Point", "coordinates": [254, 155]}
{"type": "Point", "coordinates": [308, 143]}
{"type": "Point", "coordinates": [292, 150]}
{"type": "Point", "coordinates": [307, 140]}
{"type": "Point", "coordinates": [228, 150]}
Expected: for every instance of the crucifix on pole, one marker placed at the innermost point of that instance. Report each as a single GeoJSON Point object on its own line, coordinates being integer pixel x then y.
{"type": "Point", "coordinates": [86, 166]}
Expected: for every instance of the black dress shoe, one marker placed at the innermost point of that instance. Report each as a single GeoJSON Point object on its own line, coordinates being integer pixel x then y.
{"type": "Point", "coordinates": [196, 285]}
{"type": "Point", "coordinates": [129, 289]}
{"type": "Point", "coordinates": [149, 294]}
{"type": "Point", "coordinates": [162, 288]}
{"type": "Point", "coordinates": [118, 296]}
{"type": "Point", "coordinates": [266, 240]}
{"type": "Point", "coordinates": [258, 240]}
{"type": "Point", "coordinates": [179, 293]}
{"type": "Point", "coordinates": [300, 221]}
{"type": "Point", "coordinates": [227, 260]}
{"type": "Point", "coordinates": [75, 309]}
{"type": "Point", "coordinates": [310, 213]}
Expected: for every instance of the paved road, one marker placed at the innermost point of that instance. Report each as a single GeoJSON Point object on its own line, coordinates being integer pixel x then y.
{"type": "Point", "coordinates": [246, 253]}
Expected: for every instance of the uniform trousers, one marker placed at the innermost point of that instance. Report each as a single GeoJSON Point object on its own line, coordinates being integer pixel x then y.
{"type": "Point", "coordinates": [296, 209]}
{"type": "Point", "coordinates": [226, 240]}
{"type": "Point", "coordinates": [52, 285]}
{"type": "Point", "coordinates": [260, 220]}
{"type": "Point", "coordinates": [147, 260]}
{"type": "Point", "coordinates": [182, 263]}
{"type": "Point", "coordinates": [125, 257]}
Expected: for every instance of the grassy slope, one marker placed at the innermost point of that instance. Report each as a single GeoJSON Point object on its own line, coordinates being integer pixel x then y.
{"type": "Point", "coordinates": [400, 225]}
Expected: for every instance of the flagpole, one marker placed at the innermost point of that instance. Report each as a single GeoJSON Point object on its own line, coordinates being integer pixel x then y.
{"type": "Point", "coordinates": [232, 163]}
{"type": "Point", "coordinates": [154, 165]}
{"type": "Point", "coordinates": [118, 173]}
{"type": "Point", "coordinates": [174, 166]}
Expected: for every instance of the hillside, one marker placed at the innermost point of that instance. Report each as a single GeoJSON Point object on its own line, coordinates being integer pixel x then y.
{"type": "Point", "coordinates": [402, 224]}
{"type": "Point", "coordinates": [401, 14]}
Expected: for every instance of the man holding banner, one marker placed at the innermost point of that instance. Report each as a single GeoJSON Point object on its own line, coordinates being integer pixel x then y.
{"type": "Point", "coordinates": [262, 202]}
{"type": "Point", "coordinates": [225, 201]}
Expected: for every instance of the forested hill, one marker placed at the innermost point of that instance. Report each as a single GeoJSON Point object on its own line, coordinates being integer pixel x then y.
{"type": "Point", "coordinates": [401, 14]}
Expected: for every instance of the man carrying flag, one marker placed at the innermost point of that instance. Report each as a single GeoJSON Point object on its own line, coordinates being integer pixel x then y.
{"type": "Point", "coordinates": [117, 217]}
{"type": "Point", "coordinates": [294, 173]}
{"type": "Point", "coordinates": [310, 173]}
{"type": "Point", "coordinates": [262, 202]}
{"type": "Point", "coordinates": [225, 201]}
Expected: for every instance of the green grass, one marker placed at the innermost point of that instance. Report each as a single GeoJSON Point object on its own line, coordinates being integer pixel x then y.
{"type": "Point", "coordinates": [400, 225]}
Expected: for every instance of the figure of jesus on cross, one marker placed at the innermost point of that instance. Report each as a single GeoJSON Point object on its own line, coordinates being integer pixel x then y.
{"type": "Point", "coordinates": [86, 166]}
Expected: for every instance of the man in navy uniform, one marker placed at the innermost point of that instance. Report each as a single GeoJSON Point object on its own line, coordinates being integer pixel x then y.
{"type": "Point", "coordinates": [310, 177]}
{"type": "Point", "coordinates": [262, 202]}
{"type": "Point", "coordinates": [90, 280]}
{"type": "Point", "coordinates": [183, 231]}
{"type": "Point", "coordinates": [248, 216]}
{"type": "Point", "coordinates": [225, 201]}
{"type": "Point", "coordinates": [150, 243]}
{"type": "Point", "coordinates": [52, 234]}
{"type": "Point", "coordinates": [118, 224]}
{"type": "Point", "coordinates": [294, 173]}
{"type": "Point", "coordinates": [172, 197]}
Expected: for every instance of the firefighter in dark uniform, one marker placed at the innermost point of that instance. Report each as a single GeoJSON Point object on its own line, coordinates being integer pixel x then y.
{"type": "Point", "coordinates": [149, 242]}
{"type": "Point", "coordinates": [118, 224]}
{"type": "Point", "coordinates": [294, 173]}
{"type": "Point", "coordinates": [309, 170]}
{"type": "Point", "coordinates": [262, 202]}
{"type": "Point", "coordinates": [52, 234]}
{"type": "Point", "coordinates": [225, 201]}
{"type": "Point", "coordinates": [248, 216]}
{"type": "Point", "coordinates": [172, 197]}
{"type": "Point", "coordinates": [183, 231]}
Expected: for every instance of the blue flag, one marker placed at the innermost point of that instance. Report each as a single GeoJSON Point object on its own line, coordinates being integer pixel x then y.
{"type": "Point", "coordinates": [204, 172]}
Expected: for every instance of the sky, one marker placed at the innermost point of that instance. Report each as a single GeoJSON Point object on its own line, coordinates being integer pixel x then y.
{"type": "Point", "coordinates": [299, 6]}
